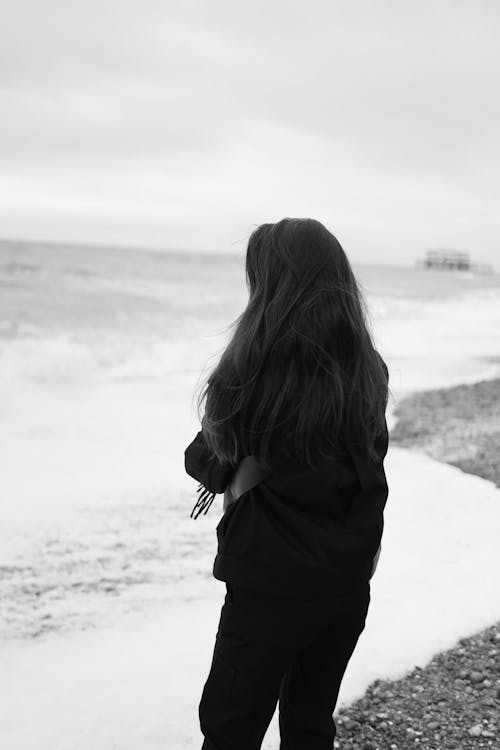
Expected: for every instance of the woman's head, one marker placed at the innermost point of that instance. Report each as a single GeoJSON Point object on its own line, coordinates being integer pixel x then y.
{"type": "Point", "coordinates": [293, 252]}
{"type": "Point", "coordinates": [300, 374]}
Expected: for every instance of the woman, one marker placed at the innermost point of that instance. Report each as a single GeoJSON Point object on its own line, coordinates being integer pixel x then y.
{"type": "Point", "coordinates": [301, 388]}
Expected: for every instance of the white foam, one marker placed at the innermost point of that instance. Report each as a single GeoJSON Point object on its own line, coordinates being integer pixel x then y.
{"type": "Point", "coordinates": [42, 360]}
{"type": "Point", "coordinates": [88, 422]}
{"type": "Point", "coordinates": [137, 683]}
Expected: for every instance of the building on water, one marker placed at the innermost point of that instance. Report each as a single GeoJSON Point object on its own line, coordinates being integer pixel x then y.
{"type": "Point", "coordinates": [452, 260]}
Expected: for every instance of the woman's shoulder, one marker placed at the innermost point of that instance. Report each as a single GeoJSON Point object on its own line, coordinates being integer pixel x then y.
{"type": "Point", "coordinates": [384, 365]}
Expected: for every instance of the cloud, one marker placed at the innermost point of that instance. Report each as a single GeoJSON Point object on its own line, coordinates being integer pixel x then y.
{"type": "Point", "coordinates": [196, 116]}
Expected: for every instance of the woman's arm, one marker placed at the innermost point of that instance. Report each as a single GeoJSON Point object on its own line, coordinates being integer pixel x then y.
{"type": "Point", "coordinates": [206, 468]}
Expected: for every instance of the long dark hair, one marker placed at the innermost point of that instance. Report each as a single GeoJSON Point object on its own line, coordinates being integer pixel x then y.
{"type": "Point", "coordinates": [300, 374]}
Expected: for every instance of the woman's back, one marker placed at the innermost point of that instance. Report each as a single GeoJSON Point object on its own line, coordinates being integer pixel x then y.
{"type": "Point", "coordinates": [303, 531]}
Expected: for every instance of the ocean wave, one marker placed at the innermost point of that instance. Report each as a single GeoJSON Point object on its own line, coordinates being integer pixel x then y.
{"type": "Point", "coordinates": [57, 360]}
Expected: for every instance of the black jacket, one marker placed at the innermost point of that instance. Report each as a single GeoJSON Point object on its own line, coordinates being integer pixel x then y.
{"type": "Point", "coordinates": [299, 532]}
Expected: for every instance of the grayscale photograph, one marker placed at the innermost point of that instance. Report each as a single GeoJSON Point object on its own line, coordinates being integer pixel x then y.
{"type": "Point", "coordinates": [250, 375]}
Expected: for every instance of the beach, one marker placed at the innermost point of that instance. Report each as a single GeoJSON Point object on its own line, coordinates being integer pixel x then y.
{"type": "Point", "coordinates": [458, 425]}
{"type": "Point", "coordinates": [454, 700]}
{"type": "Point", "coordinates": [108, 607]}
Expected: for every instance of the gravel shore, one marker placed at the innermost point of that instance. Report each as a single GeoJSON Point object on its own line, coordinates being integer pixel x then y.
{"type": "Point", "coordinates": [458, 425]}
{"type": "Point", "coordinates": [454, 702]}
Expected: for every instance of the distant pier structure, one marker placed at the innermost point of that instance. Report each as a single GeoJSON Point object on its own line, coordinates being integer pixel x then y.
{"type": "Point", "coordinates": [452, 260]}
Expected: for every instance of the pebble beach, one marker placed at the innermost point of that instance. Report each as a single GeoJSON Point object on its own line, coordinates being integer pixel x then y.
{"type": "Point", "coordinates": [453, 703]}
{"type": "Point", "coordinates": [108, 606]}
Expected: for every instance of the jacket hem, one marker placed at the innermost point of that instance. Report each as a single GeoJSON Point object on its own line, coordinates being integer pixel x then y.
{"type": "Point", "coordinates": [296, 581]}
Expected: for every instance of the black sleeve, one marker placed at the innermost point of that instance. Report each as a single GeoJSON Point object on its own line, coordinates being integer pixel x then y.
{"type": "Point", "coordinates": [384, 366]}
{"type": "Point", "coordinates": [382, 440]}
{"type": "Point", "coordinates": [381, 443]}
{"type": "Point", "coordinates": [206, 468]}
{"type": "Point", "coordinates": [386, 370]}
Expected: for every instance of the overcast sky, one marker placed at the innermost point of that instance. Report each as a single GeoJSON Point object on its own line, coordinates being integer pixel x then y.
{"type": "Point", "coordinates": [185, 124]}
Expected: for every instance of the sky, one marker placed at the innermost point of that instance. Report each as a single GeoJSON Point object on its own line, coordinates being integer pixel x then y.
{"type": "Point", "coordinates": [185, 124]}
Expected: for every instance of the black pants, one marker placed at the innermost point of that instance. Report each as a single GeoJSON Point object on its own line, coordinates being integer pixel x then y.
{"type": "Point", "coordinates": [269, 649]}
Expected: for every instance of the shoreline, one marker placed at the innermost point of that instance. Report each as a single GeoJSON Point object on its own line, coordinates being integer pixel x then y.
{"type": "Point", "coordinates": [458, 425]}
{"type": "Point", "coordinates": [454, 701]}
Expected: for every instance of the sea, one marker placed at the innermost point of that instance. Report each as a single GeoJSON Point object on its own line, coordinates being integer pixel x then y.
{"type": "Point", "coordinates": [103, 351]}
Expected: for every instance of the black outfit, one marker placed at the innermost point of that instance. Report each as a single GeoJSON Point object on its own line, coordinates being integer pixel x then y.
{"type": "Point", "coordinates": [287, 649]}
{"type": "Point", "coordinates": [296, 553]}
